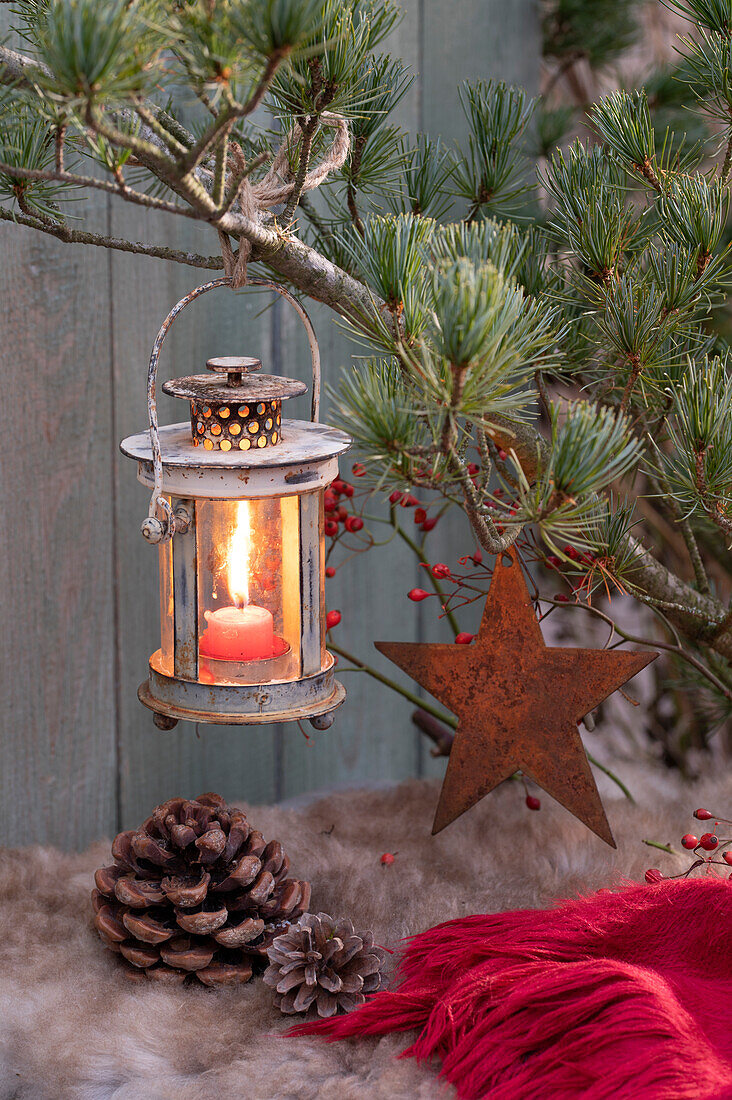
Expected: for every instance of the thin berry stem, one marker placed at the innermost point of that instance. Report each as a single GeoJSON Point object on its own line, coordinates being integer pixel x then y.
{"type": "Point", "coordinates": [419, 554]}
{"type": "Point", "coordinates": [361, 666]}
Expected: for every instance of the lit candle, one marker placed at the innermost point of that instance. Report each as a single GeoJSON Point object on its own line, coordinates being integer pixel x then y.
{"type": "Point", "coordinates": [238, 634]}
{"type": "Point", "coordinates": [243, 631]}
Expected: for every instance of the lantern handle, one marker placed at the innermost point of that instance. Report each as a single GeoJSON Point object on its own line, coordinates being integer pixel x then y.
{"type": "Point", "coordinates": [159, 527]}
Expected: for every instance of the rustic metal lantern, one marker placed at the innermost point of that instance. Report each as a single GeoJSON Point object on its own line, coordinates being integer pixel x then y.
{"type": "Point", "coordinates": [237, 512]}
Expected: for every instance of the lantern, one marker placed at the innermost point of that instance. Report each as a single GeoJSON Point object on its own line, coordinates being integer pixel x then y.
{"type": "Point", "coordinates": [237, 513]}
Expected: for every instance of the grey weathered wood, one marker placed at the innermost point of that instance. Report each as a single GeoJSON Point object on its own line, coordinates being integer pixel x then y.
{"type": "Point", "coordinates": [57, 699]}
{"type": "Point", "coordinates": [78, 584]}
{"type": "Point", "coordinates": [57, 695]}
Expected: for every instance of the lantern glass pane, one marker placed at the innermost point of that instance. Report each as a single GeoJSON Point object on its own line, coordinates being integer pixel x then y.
{"type": "Point", "coordinates": [165, 658]}
{"type": "Point", "coordinates": [248, 590]}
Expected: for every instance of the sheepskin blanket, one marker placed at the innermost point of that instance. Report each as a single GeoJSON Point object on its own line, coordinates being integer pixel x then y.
{"type": "Point", "coordinates": [72, 1028]}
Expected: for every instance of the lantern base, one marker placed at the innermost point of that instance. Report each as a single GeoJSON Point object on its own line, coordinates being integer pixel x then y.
{"type": "Point", "coordinates": [243, 704]}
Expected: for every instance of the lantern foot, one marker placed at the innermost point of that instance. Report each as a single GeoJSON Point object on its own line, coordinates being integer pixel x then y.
{"type": "Point", "coordinates": [322, 721]}
{"type": "Point", "coordinates": [313, 697]}
{"type": "Point", "coordinates": [164, 721]}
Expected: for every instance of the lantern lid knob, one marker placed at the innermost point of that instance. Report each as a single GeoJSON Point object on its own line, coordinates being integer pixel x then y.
{"type": "Point", "coordinates": [233, 366]}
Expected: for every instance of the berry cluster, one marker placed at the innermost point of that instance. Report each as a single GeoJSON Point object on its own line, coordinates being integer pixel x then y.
{"type": "Point", "coordinates": [709, 849]}
{"type": "Point", "coordinates": [342, 518]}
{"type": "Point", "coordinates": [345, 522]}
{"type": "Point", "coordinates": [337, 498]}
{"type": "Point", "coordinates": [407, 500]}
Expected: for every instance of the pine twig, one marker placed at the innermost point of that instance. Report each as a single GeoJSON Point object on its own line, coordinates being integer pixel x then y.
{"type": "Point", "coordinates": [77, 236]}
{"type": "Point", "coordinates": [117, 188]}
{"type": "Point", "coordinates": [633, 377]}
{"type": "Point", "coordinates": [59, 139]}
{"type": "Point", "coordinates": [358, 147]}
{"type": "Point", "coordinates": [308, 133]}
{"type": "Point", "coordinates": [219, 181]}
{"type": "Point", "coordinates": [483, 526]}
{"type": "Point", "coordinates": [692, 546]}
{"type": "Point", "coordinates": [720, 520]}
{"type": "Point", "coordinates": [155, 123]}
{"type": "Point", "coordinates": [230, 114]}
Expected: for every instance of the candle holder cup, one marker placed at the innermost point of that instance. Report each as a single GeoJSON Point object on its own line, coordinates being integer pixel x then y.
{"type": "Point", "coordinates": [237, 513]}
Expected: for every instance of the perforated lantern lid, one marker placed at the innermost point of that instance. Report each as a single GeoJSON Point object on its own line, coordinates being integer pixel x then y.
{"type": "Point", "coordinates": [240, 411]}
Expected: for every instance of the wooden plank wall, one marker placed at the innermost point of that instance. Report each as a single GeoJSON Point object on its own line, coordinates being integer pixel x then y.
{"type": "Point", "coordinates": [79, 755]}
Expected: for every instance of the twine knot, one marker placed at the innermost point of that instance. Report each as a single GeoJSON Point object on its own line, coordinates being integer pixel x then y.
{"type": "Point", "coordinates": [279, 185]}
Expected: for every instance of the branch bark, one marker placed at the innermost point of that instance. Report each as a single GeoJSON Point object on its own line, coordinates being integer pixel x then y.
{"type": "Point", "coordinates": [14, 67]}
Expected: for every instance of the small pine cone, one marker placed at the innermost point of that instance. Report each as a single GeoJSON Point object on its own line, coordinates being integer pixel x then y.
{"type": "Point", "coordinates": [322, 961]}
{"type": "Point", "coordinates": [195, 891]}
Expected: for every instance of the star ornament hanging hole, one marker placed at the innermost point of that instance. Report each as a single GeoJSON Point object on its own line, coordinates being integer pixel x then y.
{"type": "Point", "coordinates": [518, 703]}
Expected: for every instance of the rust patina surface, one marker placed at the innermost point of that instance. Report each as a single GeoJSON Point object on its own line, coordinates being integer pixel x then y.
{"type": "Point", "coordinates": [518, 703]}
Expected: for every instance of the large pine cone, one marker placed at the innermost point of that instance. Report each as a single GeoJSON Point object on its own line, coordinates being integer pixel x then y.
{"type": "Point", "coordinates": [195, 891]}
{"type": "Point", "coordinates": [323, 961]}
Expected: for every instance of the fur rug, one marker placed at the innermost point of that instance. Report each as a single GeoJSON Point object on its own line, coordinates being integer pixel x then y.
{"type": "Point", "coordinates": [72, 1028]}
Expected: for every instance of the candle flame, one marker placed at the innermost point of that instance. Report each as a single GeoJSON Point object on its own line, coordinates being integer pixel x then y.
{"type": "Point", "coordinates": [239, 552]}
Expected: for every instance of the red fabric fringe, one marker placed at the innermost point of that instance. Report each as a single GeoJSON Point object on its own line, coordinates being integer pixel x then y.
{"type": "Point", "coordinates": [619, 995]}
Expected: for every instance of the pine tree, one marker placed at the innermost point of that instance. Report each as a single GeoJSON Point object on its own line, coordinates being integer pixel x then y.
{"type": "Point", "coordinates": [478, 291]}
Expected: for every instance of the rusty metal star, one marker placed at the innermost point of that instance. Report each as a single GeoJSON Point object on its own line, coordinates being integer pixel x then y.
{"type": "Point", "coordinates": [518, 703]}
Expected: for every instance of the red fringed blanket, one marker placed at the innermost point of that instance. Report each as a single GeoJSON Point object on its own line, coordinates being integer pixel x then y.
{"type": "Point", "coordinates": [619, 995]}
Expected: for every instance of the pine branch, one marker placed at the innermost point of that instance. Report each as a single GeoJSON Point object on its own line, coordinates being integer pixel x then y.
{"type": "Point", "coordinates": [304, 267]}
{"type": "Point", "coordinates": [698, 616]}
{"type": "Point", "coordinates": [483, 526]}
{"type": "Point", "coordinates": [119, 187]}
{"type": "Point", "coordinates": [78, 236]}
{"type": "Point", "coordinates": [308, 133]}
